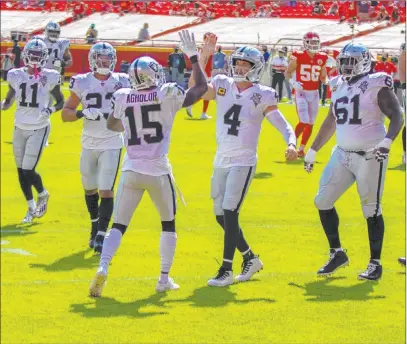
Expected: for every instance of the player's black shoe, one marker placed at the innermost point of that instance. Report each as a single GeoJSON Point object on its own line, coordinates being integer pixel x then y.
{"type": "Point", "coordinates": [99, 243]}
{"type": "Point", "coordinates": [402, 261]}
{"type": "Point", "coordinates": [373, 272]}
{"type": "Point", "coordinates": [336, 260]}
{"type": "Point", "coordinates": [93, 232]}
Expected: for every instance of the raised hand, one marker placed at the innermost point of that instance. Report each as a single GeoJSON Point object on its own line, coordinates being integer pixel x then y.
{"type": "Point", "coordinates": [187, 44]}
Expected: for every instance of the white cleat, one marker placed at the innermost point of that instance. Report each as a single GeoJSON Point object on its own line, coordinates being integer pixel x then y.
{"type": "Point", "coordinates": [189, 111]}
{"type": "Point", "coordinates": [205, 116]}
{"type": "Point", "coordinates": [42, 205]}
{"type": "Point", "coordinates": [222, 279]}
{"type": "Point", "coordinates": [98, 284]}
{"type": "Point", "coordinates": [28, 218]}
{"type": "Point", "coordinates": [249, 268]}
{"type": "Point", "coordinates": [170, 285]}
{"type": "Point", "coordinates": [404, 158]}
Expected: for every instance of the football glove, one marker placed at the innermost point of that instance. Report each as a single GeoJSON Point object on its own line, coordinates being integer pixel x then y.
{"type": "Point", "coordinates": [382, 149]}
{"type": "Point", "coordinates": [92, 113]}
{"type": "Point", "coordinates": [187, 44]}
{"type": "Point", "coordinates": [297, 85]}
{"type": "Point", "coordinates": [57, 64]}
{"type": "Point", "coordinates": [309, 160]}
{"type": "Point", "coordinates": [45, 113]}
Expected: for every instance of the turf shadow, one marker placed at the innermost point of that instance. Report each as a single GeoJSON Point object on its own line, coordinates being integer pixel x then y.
{"type": "Point", "coordinates": [216, 297]}
{"type": "Point", "coordinates": [109, 307]}
{"type": "Point", "coordinates": [263, 175]}
{"type": "Point", "coordinates": [74, 261]}
{"type": "Point", "coordinates": [400, 167]}
{"type": "Point", "coordinates": [17, 229]}
{"type": "Point", "coordinates": [323, 291]}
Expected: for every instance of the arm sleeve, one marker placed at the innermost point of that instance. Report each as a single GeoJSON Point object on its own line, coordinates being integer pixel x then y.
{"type": "Point", "coordinates": [116, 105]}
{"type": "Point", "coordinates": [277, 119]}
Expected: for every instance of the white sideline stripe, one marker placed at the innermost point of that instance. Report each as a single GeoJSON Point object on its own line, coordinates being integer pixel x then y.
{"type": "Point", "coordinates": [16, 251]}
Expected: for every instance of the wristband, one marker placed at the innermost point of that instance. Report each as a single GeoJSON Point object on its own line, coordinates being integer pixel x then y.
{"type": "Point", "coordinates": [194, 59]}
{"type": "Point", "coordinates": [79, 114]}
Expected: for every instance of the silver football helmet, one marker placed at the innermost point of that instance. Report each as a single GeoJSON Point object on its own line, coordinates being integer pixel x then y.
{"type": "Point", "coordinates": [251, 55]}
{"type": "Point", "coordinates": [354, 59]}
{"type": "Point", "coordinates": [102, 58]}
{"type": "Point", "coordinates": [52, 31]}
{"type": "Point", "coordinates": [35, 53]}
{"type": "Point", "coordinates": [145, 72]}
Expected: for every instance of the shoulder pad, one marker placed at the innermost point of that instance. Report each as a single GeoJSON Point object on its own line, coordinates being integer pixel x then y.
{"type": "Point", "coordinates": [380, 80]}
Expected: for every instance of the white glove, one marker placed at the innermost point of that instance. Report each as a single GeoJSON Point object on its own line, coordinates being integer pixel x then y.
{"type": "Point", "coordinates": [187, 44]}
{"type": "Point", "coordinates": [45, 114]}
{"type": "Point", "coordinates": [57, 63]}
{"type": "Point", "coordinates": [382, 149]}
{"type": "Point", "coordinates": [297, 85]}
{"type": "Point", "coordinates": [92, 113]}
{"type": "Point", "coordinates": [309, 160]}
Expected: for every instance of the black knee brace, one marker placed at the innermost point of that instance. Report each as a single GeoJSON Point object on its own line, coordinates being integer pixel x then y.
{"type": "Point", "coordinates": [121, 228]}
{"type": "Point", "coordinates": [168, 226]}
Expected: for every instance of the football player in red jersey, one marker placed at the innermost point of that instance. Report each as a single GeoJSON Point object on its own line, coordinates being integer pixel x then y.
{"type": "Point", "coordinates": [309, 66]}
{"type": "Point", "coordinates": [208, 72]}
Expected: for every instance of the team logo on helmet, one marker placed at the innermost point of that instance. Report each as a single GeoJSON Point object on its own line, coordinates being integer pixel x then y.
{"type": "Point", "coordinates": [256, 98]}
{"type": "Point", "coordinates": [153, 66]}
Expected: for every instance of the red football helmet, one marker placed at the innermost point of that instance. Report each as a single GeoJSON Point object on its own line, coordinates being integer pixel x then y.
{"type": "Point", "coordinates": [312, 42]}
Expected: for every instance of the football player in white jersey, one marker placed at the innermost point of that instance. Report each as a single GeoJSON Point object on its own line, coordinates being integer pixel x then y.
{"type": "Point", "coordinates": [31, 87]}
{"type": "Point", "coordinates": [59, 56]}
{"type": "Point", "coordinates": [360, 103]}
{"type": "Point", "coordinates": [241, 105]}
{"type": "Point", "coordinates": [146, 114]}
{"type": "Point", "coordinates": [101, 148]}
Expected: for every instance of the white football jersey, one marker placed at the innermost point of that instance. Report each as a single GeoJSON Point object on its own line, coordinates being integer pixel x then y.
{"type": "Point", "coordinates": [33, 94]}
{"type": "Point", "coordinates": [359, 120]}
{"type": "Point", "coordinates": [95, 93]}
{"type": "Point", "coordinates": [239, 116]}
{"type": "Point", "coordinates": [147, 118]}
{"type": "Point", "coordinates": [56, 50]}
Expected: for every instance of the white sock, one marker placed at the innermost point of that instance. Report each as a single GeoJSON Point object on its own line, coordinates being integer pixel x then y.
{"type": "Point", "coordinates": [31, 204]}
{"type": "Point", "coordinates": [110, 246]}
{"type": "Point", "coordinates": [377, 261]}
{"type": "Point", "coordinates": [42, 194]}
{"type": "Point", "coordinates": [101, 233]}
{"type": "Point", "coordinates": [338, 249]}
{"type": "Point", "coordinates": [168, 241]}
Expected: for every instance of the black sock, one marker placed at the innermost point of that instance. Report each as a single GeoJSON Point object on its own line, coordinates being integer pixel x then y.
{"type": "Point", "coordinates": [375, 228]}
{"type": "Point", "coordinates": [92, 202]}
{"type": "Point", "coordinates": [231, 238]}
{"type": "Point", "coordinates": [37, 182]}
{"type": "Point", "coordinates": [242, 245]}
{"type": "Point", "coordinates": [25, 185]}
{"type": "Point", "coordinates": [105, 213]}
{"type": "Point", "coordinates": [403, 135]}
{"type": "Point", "coordinates": [330, 222]}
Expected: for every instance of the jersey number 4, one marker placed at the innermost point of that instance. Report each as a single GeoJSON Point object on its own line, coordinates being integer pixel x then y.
{"type": "Point", "coordinates": [34, 94]}
{"type": "Point", "coordinates": [342, 113]}
{"type": "Point", "coordinates": [232, 118]}
{"type": "Point", "coordinates": [134, 140]}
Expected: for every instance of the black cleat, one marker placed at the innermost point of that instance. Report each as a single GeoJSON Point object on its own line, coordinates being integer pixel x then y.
{"type": "Point", "coordinates": [91, 243]}
{"type": "Point", "coordinates": [373, 272]}
{"type": "Point", "coordinates": [99, 243]}
{"type": "Point", "coordinates": [336, 260]}
{"type": "Point", "coordinates": [93, 232]}
{"type": "Point", "coordinates": [402, 261]}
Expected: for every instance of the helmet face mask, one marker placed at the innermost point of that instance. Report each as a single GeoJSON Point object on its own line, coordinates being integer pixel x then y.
{"type": "Point", "coordinates": [145, 73]}
{"type": "Point", "coordinates": [102, 58]}
{"type": "Point", "coordinates": [353, 60]}
{"type": "Point", "coordinates": [246, 64]}
{"type": "Point", "coordinates": [35, 54]}
{"type": "Point", "coordinates": [312, 42]}
{"type": "Point", "coordinates": [52, 31]}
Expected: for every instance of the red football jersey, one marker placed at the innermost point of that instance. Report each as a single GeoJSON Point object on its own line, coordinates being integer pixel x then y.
{"type": "Point", "coordinates": [309, 68]}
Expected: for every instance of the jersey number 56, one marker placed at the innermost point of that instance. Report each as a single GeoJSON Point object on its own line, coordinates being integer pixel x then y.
{"type": "Point", "coordinates": [310, 73]}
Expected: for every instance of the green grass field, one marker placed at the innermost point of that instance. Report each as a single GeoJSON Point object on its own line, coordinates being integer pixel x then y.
{"type": "Point", "coordinates": [46, 268]}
